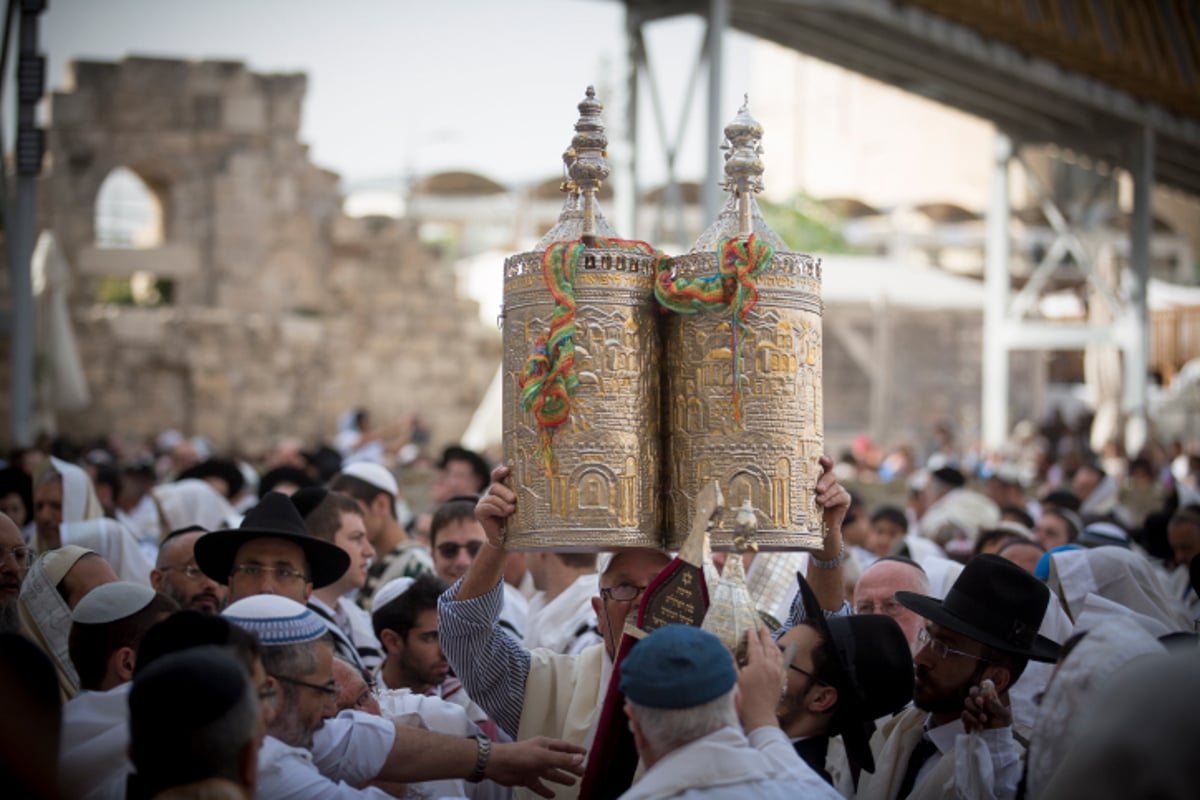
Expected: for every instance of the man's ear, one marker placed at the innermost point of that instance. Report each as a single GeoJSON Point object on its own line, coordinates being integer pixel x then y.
{"type": "Point", "coordinates": [391, 641]}
{"type": "Point", "coordinates": [382, 505]}
{"type": "Point", "coordinates": [999, 675]}
{"type": "Point", "coordinates": [308, 590]}
{"type": "Point", "coordinates": [121, 664]}
{"type": "Point", "coordinates": [822, 699]}
{"type": "Point", "coordinates": [156, 579]}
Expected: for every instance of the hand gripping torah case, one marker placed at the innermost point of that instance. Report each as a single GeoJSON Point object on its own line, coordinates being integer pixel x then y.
{"type": "Point", "coordinates": [582, 374]}
{"type": "Point", "coordinates": [743, 368]}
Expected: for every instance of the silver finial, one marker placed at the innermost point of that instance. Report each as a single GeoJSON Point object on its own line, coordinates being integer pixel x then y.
{"type": "Point", "coordinates": [743, 162]}
{"type": "Point", "coordinates": [589, 167]}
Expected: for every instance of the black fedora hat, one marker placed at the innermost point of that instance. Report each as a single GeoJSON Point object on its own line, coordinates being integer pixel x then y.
{"type": "Point", "coordinates": [994, 602]}
{"type": "Point", "coordinates": [869, 664]}
{"type": "Point", "coordinates": [274, 517]}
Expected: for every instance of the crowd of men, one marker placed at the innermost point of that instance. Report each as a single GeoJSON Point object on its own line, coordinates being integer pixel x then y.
{"type": "Point", "coordinates": [174, 624]}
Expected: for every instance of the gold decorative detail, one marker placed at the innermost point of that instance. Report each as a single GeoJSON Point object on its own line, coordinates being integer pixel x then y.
{"type": "Point", "coordinates": [604, 493]}
{"type": "Point", "coordinates": [771, 461]}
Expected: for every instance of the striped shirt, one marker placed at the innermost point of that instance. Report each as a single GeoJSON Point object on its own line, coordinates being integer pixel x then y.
{"type": "Point", "coordinates": [491, 664]}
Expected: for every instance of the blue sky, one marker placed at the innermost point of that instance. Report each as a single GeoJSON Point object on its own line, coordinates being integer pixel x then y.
{"type": "Point", "coordinates": [402, 86]}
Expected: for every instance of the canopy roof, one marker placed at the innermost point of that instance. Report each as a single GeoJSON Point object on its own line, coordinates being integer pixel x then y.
{"type": "Point", "coordinates": [1085, 74]}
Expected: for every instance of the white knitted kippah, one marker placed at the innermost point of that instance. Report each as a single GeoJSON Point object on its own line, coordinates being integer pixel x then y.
{"type": "Point", "coordinates": [110, 602]}
{"type": "Point", "coordinates": [377, 475]}
{"type": "Point", "coordinates": [277, 620]}
{"type": "Point", "coordinates": [390, 591]}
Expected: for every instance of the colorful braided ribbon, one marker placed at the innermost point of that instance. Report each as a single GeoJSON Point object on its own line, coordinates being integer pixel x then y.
{"type": "Point", "coordinates": [548, 379]}
{"type": "Point", "coordinates": [739, 263]}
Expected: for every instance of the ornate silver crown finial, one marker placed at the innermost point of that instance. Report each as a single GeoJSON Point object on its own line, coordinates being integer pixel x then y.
{"type": "Point", "coordinates": [589, 168]}
{"type": "Point", "coordinates": [743, 161]}
{"type": "Point", "coordinates": [743, 152]}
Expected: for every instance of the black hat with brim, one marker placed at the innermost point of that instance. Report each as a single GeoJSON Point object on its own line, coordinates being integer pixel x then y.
{"type": "Point", "coordinates": [870, 666]}
{"type": "Point", "coordinates": [993, 602]}
{"type": "Point", "coordinates": [275, 517]}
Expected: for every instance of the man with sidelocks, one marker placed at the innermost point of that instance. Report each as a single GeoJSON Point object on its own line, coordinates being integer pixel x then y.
{"type": "Point", "coordinates": [540, 693]}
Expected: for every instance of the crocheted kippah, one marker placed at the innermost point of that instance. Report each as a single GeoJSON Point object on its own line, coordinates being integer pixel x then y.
{"type": "Point", "coordinates": [277, 620]}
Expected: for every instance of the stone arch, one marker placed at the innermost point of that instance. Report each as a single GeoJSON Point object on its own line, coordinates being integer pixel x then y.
{"type": "Point", "coordinates": [128, 211]}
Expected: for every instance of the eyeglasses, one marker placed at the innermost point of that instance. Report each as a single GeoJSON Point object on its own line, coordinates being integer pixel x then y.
{"type": "Point", "coordinates": [809, 675]}
{"type": "Point", "coordinates": [364, 699]}
{"type": "Point", "coordinates": [889, 607]}
{"type": "Point", "coordinates": [623, 592]}
{"type": "Point", "coordinates": [19, 553]}
{"type": "Point", "coordinates": [190, 571]}
{"type": "Point", "coordinates": [327, 690]}
{"type": "Point", "coordinates": [941, 649]}
{"type": "Point", "coordinates": [258, 570]}
{"type": "Point", "coordinates": [450, 550]}
{"type": "Point", "coordinates": [268, 695]}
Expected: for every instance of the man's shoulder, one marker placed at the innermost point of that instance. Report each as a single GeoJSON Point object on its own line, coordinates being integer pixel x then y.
{"type": "Point", "coordinates": [901, 720]}
{"type": "Point", "coordinates": [405, 560]}
{"type": "Point", "coordinates": [273, 751]}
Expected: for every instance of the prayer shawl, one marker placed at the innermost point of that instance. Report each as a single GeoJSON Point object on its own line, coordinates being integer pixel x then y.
{"type": "Point", "coordinates": [980, 766]}
{"type": "Point", "coordinates": [433, 714]}
{"type": "Point", "coordinates": [79, 498]}
{"type": "Point", "coordinates": [1103, 576]}
{"type": "Point", "coordinates": [1073, 693]}
{"type": "Point", "coordinates": [113, 542]}
{"type": "Point", "coordinates": [353, 637]}
{"type": "Point", "coordinates": [193, 502]}
{"type": "Point", "coordinates": [726, 765]}
{"type": "Point", "coordinates": [891, 745]}
{"type": "Point", "coordinates": [95, 743]}
{"type": "Point", "coordinates": [45, 615]}
{"type": "Point", "coordinates": [567, 624]}
{"type": "Point", "coordinates": [514, 614]}
{"type": "Point", "coordinates": [563, 698]}
{"type": "Point", "coordinates": [1139, 739]}
{"type": "Point", "coordinates": [1056, 626]}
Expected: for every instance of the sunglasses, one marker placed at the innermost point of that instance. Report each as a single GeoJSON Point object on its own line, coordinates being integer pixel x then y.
{"type": "Point", "coordinates": [450, 550]}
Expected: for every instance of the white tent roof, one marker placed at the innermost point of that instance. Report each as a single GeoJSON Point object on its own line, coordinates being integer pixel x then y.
{"type": "Point", "coordinates": [854, 280]}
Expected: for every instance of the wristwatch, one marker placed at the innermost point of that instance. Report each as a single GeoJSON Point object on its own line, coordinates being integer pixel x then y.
{"type": "Point", "coordinates": [481, 758]}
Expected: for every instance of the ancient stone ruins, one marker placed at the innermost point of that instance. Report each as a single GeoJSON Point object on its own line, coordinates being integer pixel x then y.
{"type": "Point", "coordinates": [283, 312]}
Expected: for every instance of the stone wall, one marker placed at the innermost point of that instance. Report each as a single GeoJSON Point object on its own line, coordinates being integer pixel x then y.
{"type": "Point", "coordinates": [285, 312]}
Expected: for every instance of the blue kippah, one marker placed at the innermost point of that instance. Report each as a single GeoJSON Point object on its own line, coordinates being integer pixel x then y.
{"type": "Point", "coordinates": [277, 620]}
{"type": "Point", "coordinates": [1042, 570]}
{"type": "Point", "coordinates": [677, 667]}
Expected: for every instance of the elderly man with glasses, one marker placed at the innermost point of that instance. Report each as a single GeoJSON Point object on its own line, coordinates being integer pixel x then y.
{"type": "Point", "coordinates": [313, 751]}
{"type": "Point", "coordinates": [14, 564]}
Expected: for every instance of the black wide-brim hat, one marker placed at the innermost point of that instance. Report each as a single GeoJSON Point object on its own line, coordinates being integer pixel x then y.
{"type": "Point", "coordinates": [274, 517]}
{"type": "Point", "coordinates": [994, 602]}
{"type": "Point", "coordinates": [869, 664]}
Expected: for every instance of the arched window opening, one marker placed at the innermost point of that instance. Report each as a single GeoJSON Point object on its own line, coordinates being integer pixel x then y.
{"type": "Point", "coordinates": [128, 214]}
